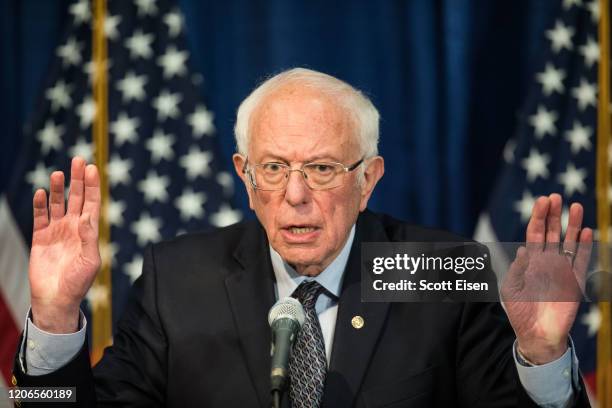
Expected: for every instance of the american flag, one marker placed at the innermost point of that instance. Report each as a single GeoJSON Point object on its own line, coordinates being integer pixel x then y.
{"type": "Point", "coordinates": [164, 172]}
{"type": "Point", "coordinates": [554, 148]}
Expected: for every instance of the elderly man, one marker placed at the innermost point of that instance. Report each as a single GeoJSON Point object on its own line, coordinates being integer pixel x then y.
{"type": "Point", "coordinates": [196, 333]}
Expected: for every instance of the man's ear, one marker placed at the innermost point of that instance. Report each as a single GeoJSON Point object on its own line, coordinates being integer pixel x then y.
{"type": "Point", "coordinates": [239, 164]}
{"type": "Point", "coordinates": [374, 170]}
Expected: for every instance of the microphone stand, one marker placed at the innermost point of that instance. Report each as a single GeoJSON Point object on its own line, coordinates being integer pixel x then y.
{"type": "Point", "coordinates": [276, 398]}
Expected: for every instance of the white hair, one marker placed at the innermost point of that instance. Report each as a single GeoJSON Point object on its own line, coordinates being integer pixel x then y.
{"type": "Point", "coordinates": [364, 115]}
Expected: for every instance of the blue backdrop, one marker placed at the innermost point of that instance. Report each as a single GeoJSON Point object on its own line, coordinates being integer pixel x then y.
{"type": "Point", "coordinates": [448, 77]}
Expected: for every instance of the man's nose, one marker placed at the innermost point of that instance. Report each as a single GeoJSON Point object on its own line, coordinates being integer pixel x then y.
{"type": "Point", "coordinates": [297, 192]}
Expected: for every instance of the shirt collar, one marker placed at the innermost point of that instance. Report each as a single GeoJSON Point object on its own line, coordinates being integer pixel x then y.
{"type": "Point", "coordinates": [287, 279]}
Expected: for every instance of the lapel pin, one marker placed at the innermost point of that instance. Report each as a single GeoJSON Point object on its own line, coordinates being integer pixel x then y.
{"type": "Point", "coordinates": [357, 322]}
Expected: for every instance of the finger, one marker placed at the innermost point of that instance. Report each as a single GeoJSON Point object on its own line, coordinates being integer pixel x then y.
{"type": "Point", "coordinates": [574, 224]}
{"type": "Point", "coordinates": [536, 229]}
{"type": "Point", "coordinates": [77, 183]}
{"type": "Point", "coordinates": [89, 237]}
{"type": "Point", "coordinates": [91, 203]}
{"type": "Point", "coordinates": [553, 221]}
{"type": "Point", "coordinates": [41, 213]}
{"type": "Point", "coordinates": [521, 262]}
{"type": "Point", "coordinates": [56, 195]}
{"type": "Point", "coordinates": [583, 256]}
{"type": "Point", "coordinates": [515, 279]}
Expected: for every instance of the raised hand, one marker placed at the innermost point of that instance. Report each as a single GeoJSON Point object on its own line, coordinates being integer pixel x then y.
{"type": "Point", "coordinates": [544, 285]}
{"type": "Point", "coordinates": [65, 257]}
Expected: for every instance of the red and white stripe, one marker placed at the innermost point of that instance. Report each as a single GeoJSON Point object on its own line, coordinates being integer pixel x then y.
{"type": "Point", "coordinates": [14, 290]}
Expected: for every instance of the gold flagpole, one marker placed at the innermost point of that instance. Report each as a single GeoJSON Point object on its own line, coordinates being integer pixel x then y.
{"type": "Point", "coordinates": [101, 305]}
{"type": "Point", "coordinates": [604, 337]}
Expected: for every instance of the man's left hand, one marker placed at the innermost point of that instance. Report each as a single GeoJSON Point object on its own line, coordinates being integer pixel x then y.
{"type": "Point", "coordinates": [545, 283]}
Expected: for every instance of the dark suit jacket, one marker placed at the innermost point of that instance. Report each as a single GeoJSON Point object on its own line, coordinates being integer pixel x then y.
{"type": "Point", "coordinates": [195, 334]}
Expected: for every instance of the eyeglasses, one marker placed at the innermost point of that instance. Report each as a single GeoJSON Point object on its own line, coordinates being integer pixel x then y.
{"type": "Point", "coordinates": [274, 176]}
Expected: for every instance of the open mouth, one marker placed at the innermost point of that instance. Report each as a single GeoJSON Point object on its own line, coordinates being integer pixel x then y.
{"type": "Point", "coordinates": [300, 233]}
{"type": "Point", "coordinates": [301, 229]}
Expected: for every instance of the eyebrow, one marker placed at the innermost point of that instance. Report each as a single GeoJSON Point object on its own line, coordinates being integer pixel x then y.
{"type": "Point", "coordinates": [319, 157]}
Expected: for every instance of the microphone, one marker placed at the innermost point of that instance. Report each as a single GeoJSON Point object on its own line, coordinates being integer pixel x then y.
{"type": "Point", "coordinates": [285, 318]}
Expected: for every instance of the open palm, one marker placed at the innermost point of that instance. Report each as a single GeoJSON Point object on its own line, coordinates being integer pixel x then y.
{"type": "Point", "coordinates": [64, 258]}
{"type": "Point", "coordinates": [545, 283]}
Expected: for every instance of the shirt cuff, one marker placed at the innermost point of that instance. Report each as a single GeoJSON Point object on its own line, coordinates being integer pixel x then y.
{"type": "Point", "coordinates": [552, 384]}
{"type": "Point", "coordinates": [47, 352]}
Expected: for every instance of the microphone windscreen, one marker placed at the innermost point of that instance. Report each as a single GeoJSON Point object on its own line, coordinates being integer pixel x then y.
{"type": "Point", "coordinates": [289, 308]}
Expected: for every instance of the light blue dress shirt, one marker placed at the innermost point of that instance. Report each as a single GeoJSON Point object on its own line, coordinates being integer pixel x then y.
{"type": "Point", "coordinates": [287, 281]}
{"type": "Point", "coordinates": [550, 385]}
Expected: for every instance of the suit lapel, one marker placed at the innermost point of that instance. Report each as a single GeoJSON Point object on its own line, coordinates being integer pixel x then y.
{"type": "Point", "coordinates": [353, 347]}
{"type": "Point", "coordinates": [254, 275]}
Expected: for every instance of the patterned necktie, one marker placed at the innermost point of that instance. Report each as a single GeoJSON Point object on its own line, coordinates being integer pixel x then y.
{"type": "Point", "coordinates": [307, 362]}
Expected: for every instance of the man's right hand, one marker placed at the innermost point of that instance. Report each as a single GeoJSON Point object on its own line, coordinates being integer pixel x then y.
{"type": "Point", "coordinates": [65, 256]}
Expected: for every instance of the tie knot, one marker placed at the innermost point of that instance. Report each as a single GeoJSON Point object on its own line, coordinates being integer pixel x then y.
{"type": "Point", "coordinates": [307, 293]}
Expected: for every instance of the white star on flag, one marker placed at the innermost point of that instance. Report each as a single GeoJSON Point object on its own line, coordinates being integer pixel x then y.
{"type": "Point", "coordinates": [525, 205]}
{"type": "Point", "coordinates": [573, 179]}
{"type": "Point", "coordinates": [50, 137]}
{"type": "Point", "coordinates": [201, 121]}
{"type": "Point", "coordinates": [133, 269]}
{"type": "Point", "coordinates": [590, 52]}
{"type": "Point", "coordinates": [146, 229]}
{"type": "Point", "coordinates": [81, 11]}
{"type": "Point", "coordinates": [118, 170]}
{"type": "Point", "coordinates": [560, 36]}
{"type": "Point", "coordinates": [536, 165]}
{"type": "Point", "coordinates": [39, 177]}
{"type": "Point", "coordinates": [70, 53]}
{"type": "Point", "coordinates": [551, 79]}
{"type": "Point", "coordinates": [82, 148]}
{"type": "Point", "coordinates": [59, 96]}
{"type": "Point", "coordinates": [593, 8]}
{"type": "Point", "coordinates": [174, 21]}
{"type": "Point", "coordinates": [86, 112]}
{"type": "Point", "coordinates": [154, 187]}
{"type": "Point", "coordinates": [115, 213]}
{"type": "Point", "coordinates": [586, 94]}
{"type": "Point", "coordinates": [592, 320]}
{"type": "Point", "coordinates": [544, 122]}
{"type": "Point", "coordinates": [124, 129]}
{"type": "Point", "coordinates": [160, 146]}
{"type": "Point", "coordinates": [166, 105]}
{"type": "Point", "coordinates": [568, 4]}
{"type": "Point", "coordinates": [146, 7]}
{"type": "Point", "coordinates": [132, 87]}
{"type": "Point", "coordinates": [139, 45]}
{"type": "Point", "coordinates": [227, 182]}
{"type": "Point", "coordinates": [190, 204]}
{"type": "Point", "coordinates": [225, 216]}
{"type": "Point", "coordinates": [110, 27]}
{"type": "Point", "coordinates": [579, 137]}
{"type": "Point", "coordinates": [196, 163]}
{"type": "Point", "coordinates": [173, 62]}
{"type": "Point", "coordinates": [97, 296]}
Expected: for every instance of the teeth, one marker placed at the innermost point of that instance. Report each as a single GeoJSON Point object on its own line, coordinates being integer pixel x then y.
{"type": "Point", "coordinates": [303, 230]}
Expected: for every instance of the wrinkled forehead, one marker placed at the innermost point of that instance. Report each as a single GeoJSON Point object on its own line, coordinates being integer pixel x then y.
{"type": "Point", "coordinates": [302, 123]}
